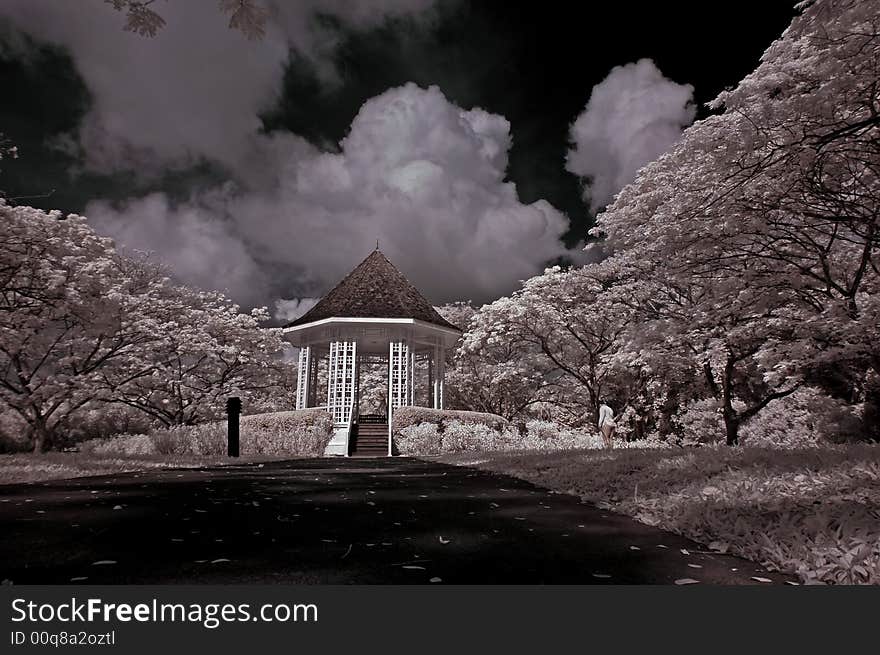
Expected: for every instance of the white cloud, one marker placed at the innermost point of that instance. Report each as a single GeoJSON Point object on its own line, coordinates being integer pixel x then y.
{"type": "Point", "coordinates": [420, 174]}
{"type": "Point", "coordinates": [202, 247]}
{"type": "Point", "coordinates": [633, 116]}
{"type": "Point", "coordinates": [287, 310]}
{"type": "Point", "coordinates": [195, 89]}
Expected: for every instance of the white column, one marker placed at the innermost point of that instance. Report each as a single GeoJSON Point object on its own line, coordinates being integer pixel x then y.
{"type": "Point", "coordinates": [303, 377]}
{"type": "Point", "coordinates": [411, 374]}
{"type": "Point", "coordinates": [439, 375]}
{"type": "Point", "coordinates": [431, 376]}
{"type": "Point", "coordinates": [400, 380]}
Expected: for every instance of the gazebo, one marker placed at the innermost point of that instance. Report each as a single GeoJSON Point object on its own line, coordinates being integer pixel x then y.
{"type": "Point", "coordinates": [375, 317]}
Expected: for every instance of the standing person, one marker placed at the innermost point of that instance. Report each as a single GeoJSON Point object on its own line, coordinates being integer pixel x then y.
{"type": "Point", "coordinates": [606, 424]}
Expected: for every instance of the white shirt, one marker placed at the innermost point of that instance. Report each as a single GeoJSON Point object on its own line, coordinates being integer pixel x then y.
{"type": "Point", "coordinates": [606, 415]}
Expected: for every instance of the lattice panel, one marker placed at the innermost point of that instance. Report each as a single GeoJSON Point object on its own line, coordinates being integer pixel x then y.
{"type": "Point", "coordinates": [303, 378]}
{"type": "Point", "coordinates": [399, 375]}
{"type": "Point", "coordinates": [341, 380]}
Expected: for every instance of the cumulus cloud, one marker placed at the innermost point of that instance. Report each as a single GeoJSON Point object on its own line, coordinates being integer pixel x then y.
{"type": "Point", "coordinates": [195, 89]}
{"type": "Point", "coordinates": [202, 246]}
{"type": "Point", "coordinates": [416, 172]}
{"type": "Point", "coordinates": [633, 116]}
{"type": "Point", "coordinates": [420, 174]}
{"type": "Point", "coordinates": [292, 309]}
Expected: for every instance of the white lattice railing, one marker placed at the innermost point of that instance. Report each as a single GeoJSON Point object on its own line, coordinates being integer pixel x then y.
{"type": "Point", "coordinates": [342, 380]}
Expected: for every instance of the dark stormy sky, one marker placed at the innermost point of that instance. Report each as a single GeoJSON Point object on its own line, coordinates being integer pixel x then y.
{"type": "Point", "coordinates": [457, 132]}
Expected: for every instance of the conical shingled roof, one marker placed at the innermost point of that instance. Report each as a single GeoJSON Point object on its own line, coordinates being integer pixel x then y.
{"type": "Point", "coordinates": [375, 289]}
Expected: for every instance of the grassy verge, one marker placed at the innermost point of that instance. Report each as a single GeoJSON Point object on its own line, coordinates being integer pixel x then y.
{"type": "Point", "coordinates": [21, 468]}
{"type": "Point", "coordinates": [813, 511]}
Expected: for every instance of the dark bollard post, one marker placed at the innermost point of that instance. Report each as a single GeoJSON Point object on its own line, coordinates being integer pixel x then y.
{"type": "Point", "coordinates": [233, 410]}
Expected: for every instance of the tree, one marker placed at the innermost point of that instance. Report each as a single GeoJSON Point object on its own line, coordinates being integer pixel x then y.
{"type": "Point", "coordinates": [67, 319]}
{"type": "Point", "coordinates": [81, 325]}
{"type": "Point", "coordinates": [758, 230]}
{"type": "Point", "coordinates": [491, 372]}
{"type": "Point", "coordinates": [211, 352]}
{"type": "Point", "coordinates": [552, 342]}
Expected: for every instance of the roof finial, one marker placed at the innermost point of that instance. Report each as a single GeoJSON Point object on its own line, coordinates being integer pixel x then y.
{"type": "Point", "coordinates": [377, 244]}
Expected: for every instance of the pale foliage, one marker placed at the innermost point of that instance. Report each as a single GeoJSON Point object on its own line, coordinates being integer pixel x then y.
{"type": "Point", "coordinates": [81, 326]}
{"type": "Point", "coordinates": [406, 416]}
{"type": "Point", "coordinates": [806, 418]}
{"type": "Point", "coordinates": [294, 433]}
{"type": "Point", "coordinates": [455, 436]}
{"type": "Point", "coordinates": [742, 262]}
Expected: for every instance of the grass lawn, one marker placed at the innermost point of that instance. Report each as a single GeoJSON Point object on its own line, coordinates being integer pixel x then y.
{"type": "Point", "coordinates": [815, 512]}
{"type": "Point", "coordinates": [23, 467]}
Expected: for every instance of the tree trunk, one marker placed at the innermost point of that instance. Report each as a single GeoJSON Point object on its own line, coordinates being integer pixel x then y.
{"type": "Point", "coordinates": [871, 412]}
{"type": "Point", "coordinates": [639, 429]}
{"type": "Point", "coordinates": [731, 419]}
{"type": "Point", "coordinates": [731, 427]}
{"type": "Point", "coordinates": [42, 436]}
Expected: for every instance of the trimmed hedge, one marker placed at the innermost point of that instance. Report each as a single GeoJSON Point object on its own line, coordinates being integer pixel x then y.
{"type": "Point", "coordinates": [404, 417]}
{"type": "Point", "coordinates": [302, 432]}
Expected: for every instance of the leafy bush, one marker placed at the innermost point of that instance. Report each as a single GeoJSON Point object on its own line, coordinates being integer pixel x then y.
{"type": "Point", "coordinates": [420, 439]}
{"type": "Point", "coordinates": [302, 432]}
{"type": "Point", "coordinates": [463, 437]}
{"type": "Point", "coordinates": [806, 418]}
{"type": "Point", "coordinates": [13, 432]}
{"type": "Point", "coordinates": [428, 439]}
{"type": "Point", "coordinates": [406, 416]}
{"type": "Point", "coordinates": [700, 422]}
{"type": "Point", "coordinates": [130, 445]}
{"type": "Point", "coordinates": [545, 435]}
{"type": "Point", "coordinates": [103, 420]}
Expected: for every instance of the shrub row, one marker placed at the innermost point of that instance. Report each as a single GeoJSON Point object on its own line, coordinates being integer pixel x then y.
{"type": "Point", "coordinates": [408, 416]}
{"type": "Point", "coordinates": [427, 438]}
{"type": "Point", "coordinates": [302, 432]}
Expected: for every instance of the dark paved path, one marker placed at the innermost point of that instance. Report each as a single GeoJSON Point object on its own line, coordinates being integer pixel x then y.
{"type": "Point", "coordinates": [334, 521]}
